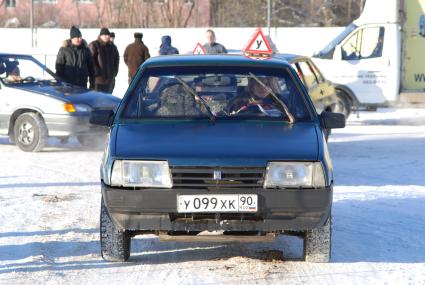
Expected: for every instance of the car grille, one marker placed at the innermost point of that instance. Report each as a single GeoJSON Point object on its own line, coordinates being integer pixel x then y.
{"type": "Point", "coordinates": [225, 177]}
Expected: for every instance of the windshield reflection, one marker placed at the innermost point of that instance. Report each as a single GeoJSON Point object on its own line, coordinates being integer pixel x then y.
{"type": "Point", "coordinates": [328, 51]}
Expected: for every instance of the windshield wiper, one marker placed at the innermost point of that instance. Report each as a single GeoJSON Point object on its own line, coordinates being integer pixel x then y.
{"type": "Point", "coordinates": [275, 98]}
{"type": "Point", "coordinates": [195, 95]}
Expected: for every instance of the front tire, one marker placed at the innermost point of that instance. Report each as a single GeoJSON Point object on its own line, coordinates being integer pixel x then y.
{"type": "Point", "coordinates": [114, 244]}
{"type": "Point", "coordinates": [317, 243]}
{"type": "Point", "coordinates": [30, 132]}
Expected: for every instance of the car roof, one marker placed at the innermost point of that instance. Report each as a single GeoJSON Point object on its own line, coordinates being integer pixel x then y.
{"type": "Point", "coordinates": [15, 55]}
{"type": "Point", "coordinates": [213, 60]}
{"type": "Point", "coordinates": [289, 57]}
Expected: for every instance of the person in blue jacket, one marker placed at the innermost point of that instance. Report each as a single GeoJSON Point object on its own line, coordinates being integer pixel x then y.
{"type": "Point", "coordinates": [166, 48]}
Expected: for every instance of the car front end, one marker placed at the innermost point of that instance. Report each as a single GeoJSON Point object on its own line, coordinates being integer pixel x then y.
{"type": "Point", "coordinates": [216, 144]}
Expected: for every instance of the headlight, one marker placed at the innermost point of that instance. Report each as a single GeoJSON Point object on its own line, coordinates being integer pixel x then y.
{"type": "Point", "coordinates": [294, 174]}
{"type": "Point", "coordinates": [80, 108]}
{"type": "Point", "coordinates": [129, 173]}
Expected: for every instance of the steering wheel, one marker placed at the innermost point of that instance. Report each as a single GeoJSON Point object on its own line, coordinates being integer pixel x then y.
{"type": "Point", "coordinates": [28, 79]}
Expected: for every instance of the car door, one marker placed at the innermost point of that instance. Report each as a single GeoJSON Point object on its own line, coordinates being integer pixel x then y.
{"type": "Point", "coordinates": [363, 65]}
{"type": "Point", "coordinates": [326, 88]}
{"type": "Point", "coordinates": [4, 109]}
{"type": "Point", "coordinates": [315, 84]}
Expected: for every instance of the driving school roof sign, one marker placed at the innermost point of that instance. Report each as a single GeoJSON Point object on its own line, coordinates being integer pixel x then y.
{"type": "Point", "coordinates": [258, 45]}
{"type": "Point", "coordinates": [199, 49]}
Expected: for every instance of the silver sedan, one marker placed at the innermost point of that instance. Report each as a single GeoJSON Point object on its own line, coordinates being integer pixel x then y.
{"type": "Point", "coordinates": [35, 105]}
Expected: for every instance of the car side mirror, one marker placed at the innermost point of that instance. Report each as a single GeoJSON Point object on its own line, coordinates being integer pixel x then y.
{"type": "Point", "coordinates": [102, 117]}
{"type": "Point", "coordinates": [331, 120]}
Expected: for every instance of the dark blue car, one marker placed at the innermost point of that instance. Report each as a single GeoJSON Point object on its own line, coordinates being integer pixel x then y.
{"type": "Point", "coordinates": [216, 143]}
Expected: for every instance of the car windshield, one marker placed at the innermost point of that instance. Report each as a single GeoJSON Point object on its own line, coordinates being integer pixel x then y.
{"type": "Point", "coordinates": [217, 93]}
{"type": "Point", "coordinates": [22, 70]}
{"type": "Point", "coordinates": [327, 51]}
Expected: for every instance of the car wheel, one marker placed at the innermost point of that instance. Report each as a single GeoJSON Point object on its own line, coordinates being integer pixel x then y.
{"type": "Point", "coordinates": [114, 244]}
{"type": "Point", "coordinates": [30, 132]}
{"type": "Point", "coordinates": [317, 243]}
{"type": "Point", "coordinates": [91, 141]}
{"type": "Point", "coordinates": [343, 105]}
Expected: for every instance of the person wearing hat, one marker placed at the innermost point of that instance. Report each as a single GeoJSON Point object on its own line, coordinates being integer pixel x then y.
{"type": "Point", "coordinates": [105, 60]}
{"type": "Point", "coordinates": [74, 62]}
{"type": "Point", "coordinates": [135, 54]}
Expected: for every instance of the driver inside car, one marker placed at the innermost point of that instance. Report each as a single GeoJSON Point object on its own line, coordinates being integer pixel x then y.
{"type": "Point", "coordinates": [254, 97]}
{"type": "Point", "coordinates": [14, 75]}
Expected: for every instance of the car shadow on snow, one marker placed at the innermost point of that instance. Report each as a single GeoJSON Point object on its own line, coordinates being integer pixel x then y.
{"type": "Point", "coordinates": [387, 230]}
{"type": "Point", "coordinates": [49, 255]}
{"type": "Point", "coordinates": [47, 185]}
{"type": "Point", "coordinates": [55, 145]}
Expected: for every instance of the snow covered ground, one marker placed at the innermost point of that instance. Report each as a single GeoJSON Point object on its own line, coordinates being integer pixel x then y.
{"type": "Point", "coordinates": [49, 213]}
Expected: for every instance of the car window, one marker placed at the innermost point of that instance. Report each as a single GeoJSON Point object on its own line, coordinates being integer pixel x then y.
{"type": "Point", "coordinates": [316, 71]}
{"type": "Point", "coordinates": [309, 77]}
{"type": "Point", "coordinates": [227, 93]}
{"type": "Point", "coordinates": [15, 69]}
{"type": "Point", "coordinates": [365, 43]}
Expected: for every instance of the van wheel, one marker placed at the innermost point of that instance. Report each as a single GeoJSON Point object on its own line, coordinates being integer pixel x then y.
{"type": "Point", "coordinates": [343, 104]}
{"type": "Point", "coordinates": [317, 243]}
{"type": "Point", "coordinates": [114, 244]}
{"type": "Point", "coordinates": [30, 132]}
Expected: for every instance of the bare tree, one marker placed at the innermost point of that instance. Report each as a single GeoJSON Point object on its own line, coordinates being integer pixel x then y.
{"type": "Point", "coordinates": [176, 13]}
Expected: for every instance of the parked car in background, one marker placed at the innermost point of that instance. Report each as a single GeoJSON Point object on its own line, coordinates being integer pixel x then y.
{"type": "Point", "coordinates": [35, 105]}
{"type": "Point", "coordinates": [322, 92]}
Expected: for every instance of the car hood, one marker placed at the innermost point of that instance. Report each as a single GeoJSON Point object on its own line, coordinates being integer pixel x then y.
{"type": "Point", "coordinates": [73, 94]}
{"type": "Point", "coordinates": [219, 144]}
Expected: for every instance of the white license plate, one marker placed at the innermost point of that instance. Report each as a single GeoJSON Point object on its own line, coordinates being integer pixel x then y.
{"type": "Point", "coordinates": [217, 203]}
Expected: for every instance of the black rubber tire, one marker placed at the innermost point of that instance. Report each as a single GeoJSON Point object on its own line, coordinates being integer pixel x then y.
{"type": "Point", "coordinates": [114, 245]}
{"type": "Point", "coordinates": [35, 128]}
{"type": "Point", "coordinates": [347, 105]}
{"type": "Point", "coordinates": [318, 243]}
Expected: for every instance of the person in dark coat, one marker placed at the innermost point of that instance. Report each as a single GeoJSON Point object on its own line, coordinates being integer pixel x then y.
{"type": "Point", "coordinates": [116, 56]}
{"type": "Point", "coordinates": [105, 60]}
{"type": "Point", "coordinates": [166, 48]}
{"type": "Point", "coordinates": [74, 62]}
{"type": "Point", "coordinates": [135, 54]}
{"type": "Point", "coordinates": [212, 47]}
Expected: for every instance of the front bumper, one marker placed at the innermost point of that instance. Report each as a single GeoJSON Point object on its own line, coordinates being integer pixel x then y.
{"type": "Point", "coordinates": [68, 125]}
{"type": "Point", "coordinates": [278, 210]}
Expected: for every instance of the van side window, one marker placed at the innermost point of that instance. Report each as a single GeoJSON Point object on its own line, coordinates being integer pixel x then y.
{"type": "Point", "coordinates": [351, 49]}
{"type": "Point", "coordinates": [365, 43]}
{"type": "Point", "coordinates": [372, 42]}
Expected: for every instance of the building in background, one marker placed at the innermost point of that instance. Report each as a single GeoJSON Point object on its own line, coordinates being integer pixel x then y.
{"type": "Point", "coordinates": [110, 13]}
{"type": "Point", "coordinates": [178, 13]}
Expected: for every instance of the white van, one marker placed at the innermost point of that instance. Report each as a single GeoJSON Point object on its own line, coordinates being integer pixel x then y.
{"type": "Point", "coordinates": [378, 59]}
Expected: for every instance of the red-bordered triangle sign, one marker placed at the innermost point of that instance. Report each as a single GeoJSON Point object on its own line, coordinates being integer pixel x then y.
{"type": "Point", "coordinates": [258, 44]}
{"type": "Point", "coordinates": [199, 49]}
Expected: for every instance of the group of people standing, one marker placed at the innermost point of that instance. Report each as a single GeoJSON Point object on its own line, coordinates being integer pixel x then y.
{"type": "Point", "coordinates": [98, 62]}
